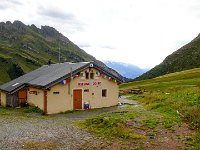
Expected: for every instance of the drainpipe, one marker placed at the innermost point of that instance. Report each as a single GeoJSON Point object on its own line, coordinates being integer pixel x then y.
{"type": "Point", "coordinates": [70, 80]}
{"type": "Point", "coordinates": [45, 102]}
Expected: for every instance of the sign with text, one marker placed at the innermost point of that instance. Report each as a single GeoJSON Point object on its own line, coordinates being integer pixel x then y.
{"type": "Point", "coordinates": [94, 83]}
{"type": "Point", "coordinates": [33, 92]}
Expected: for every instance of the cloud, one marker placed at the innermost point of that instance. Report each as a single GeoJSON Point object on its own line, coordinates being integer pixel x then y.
{"type": "Point", "coordinates": [84, 45]}
{"type": "Point", "coordinates": [180, 43]}
{"type": "Point", "coordinates": [15, 2]}
{"type": "Point", "coordinates": [108, 47]}
{"type": "Point", "coordinates": [61, 16]}
{"type": "Point", "coordinates": [3, 7]}
{"type": "Point", "coordinates": [195, 9]}
{"type": "Point", "coordinates": [6, 4]}
{"type": "Point", "coordinates": [135, 32]}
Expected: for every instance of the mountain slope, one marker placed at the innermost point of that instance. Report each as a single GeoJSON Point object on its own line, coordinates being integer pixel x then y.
{"type": "Point", "coordinates": [184, 79]}
{"type": "Point", "coordinates": [127, 70]}
{"type": "Point", "coordinates": [187, 57]}
{"type": "Point", "coordinates": [25, 48]}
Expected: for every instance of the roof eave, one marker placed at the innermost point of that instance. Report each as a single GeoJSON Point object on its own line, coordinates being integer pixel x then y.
{"type": "Point", "coordinates": [107, 73]}
{"type": "Point", "coordinates": [67, 76]}
{"type": "Point", "coordinates": [36, 86]}
{"type": "Point", "coordinates": [16, 89]}
{"type": "Point", "coordinates": [80, 69]}
{"type": "Point", "coordinates": [2, 90]}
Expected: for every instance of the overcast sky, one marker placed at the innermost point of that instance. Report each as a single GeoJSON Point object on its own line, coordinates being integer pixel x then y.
{"type": "Point", "coordinates": [140, 32]}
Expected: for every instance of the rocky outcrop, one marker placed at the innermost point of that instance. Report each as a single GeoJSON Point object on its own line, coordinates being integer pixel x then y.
{"type": "Point", "coordinates": [16, 25]}
{"type": "Point", "coordinates": [19, 26]}
{"type": "Point", "coordinates": [50, 34]}
{"type": "Point", "coordinates": [47, 32]}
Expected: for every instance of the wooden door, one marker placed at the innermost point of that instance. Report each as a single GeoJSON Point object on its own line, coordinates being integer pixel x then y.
{"type": "Point", "coordinates": [22, 96]}
{"type": "Point", "coordinates": [77, 99]}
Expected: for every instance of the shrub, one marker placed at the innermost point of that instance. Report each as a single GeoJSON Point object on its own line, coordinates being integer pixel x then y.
{"type": "Point", "coordinates": [31, 109]}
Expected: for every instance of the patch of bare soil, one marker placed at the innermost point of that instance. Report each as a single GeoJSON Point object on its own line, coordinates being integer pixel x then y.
{"type": "Point", "coordinates": [158, 138]}
{"type": "Point", "coordinates": [167, 139]}
{"type": "Point", "coordinates": [114, 146]}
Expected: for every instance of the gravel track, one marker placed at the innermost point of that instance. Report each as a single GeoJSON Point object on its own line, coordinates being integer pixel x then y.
{"type": "Point", "coordinates": [58, 130]}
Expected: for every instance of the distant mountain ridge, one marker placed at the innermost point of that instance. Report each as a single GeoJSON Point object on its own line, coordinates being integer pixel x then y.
{"type": "Point", "coordinates": [127, 70]}
{"type": "Point", "coordinates": [24, 48]}
{"type": "Point", "coordinates": [187, 57]}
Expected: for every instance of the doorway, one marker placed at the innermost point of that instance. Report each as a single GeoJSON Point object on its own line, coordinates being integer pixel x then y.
{"type": "Point", "coordinates": [77, 94]}
{"type": "Point", "coordinates": [22, 96]}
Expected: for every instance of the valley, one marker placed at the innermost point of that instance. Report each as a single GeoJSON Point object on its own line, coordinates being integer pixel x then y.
{"type": "Point", "coordinates": [126, 70]}
{"type": "Point", "coordinates": [163, 110]}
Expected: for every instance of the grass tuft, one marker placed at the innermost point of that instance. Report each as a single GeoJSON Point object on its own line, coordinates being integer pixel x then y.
{"type": "Point", "coordinates": [40, 145]}
{"type": "Point", "coordinates": [151, 123]}
{"type": "Point", "coordinates": [112, 125]}
{"type": "Point", "coordinates": [31, 109]}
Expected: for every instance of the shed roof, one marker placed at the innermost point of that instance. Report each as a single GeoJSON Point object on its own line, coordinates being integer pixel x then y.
{"type": "Point", "coordinates": [47, 75]}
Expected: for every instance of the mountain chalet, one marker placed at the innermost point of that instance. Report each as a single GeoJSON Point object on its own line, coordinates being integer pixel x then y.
{"type": "Point", "coordinates": [62, 87]}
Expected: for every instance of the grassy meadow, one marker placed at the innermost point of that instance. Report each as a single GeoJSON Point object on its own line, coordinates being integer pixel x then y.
{"type": "Point", "coordinates": [176, 95]}
{"type": "Point", "coordinates": [176, 92]}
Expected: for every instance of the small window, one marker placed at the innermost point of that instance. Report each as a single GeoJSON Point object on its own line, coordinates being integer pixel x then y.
{"type": "Point", "coordinates": [87, 75]}
{"type": "Point", "coordinates": [56, 92]}
{"type": "Point", "coordinates": [81, 74]}
{"type": "Point", "coordinates": [86, 90]}
{"type": "Point", "coordinates": [91, 75]}
{"type": "Point", "coordinates": [104, 93]}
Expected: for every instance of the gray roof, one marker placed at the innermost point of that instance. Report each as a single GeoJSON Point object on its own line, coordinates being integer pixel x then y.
{"type": "Point", "coordinates": [48, 75]}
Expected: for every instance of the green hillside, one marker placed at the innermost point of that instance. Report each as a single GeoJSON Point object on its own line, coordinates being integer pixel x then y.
{"type": "Point", "coordinates": [187, 57]}
{"type": "Point", "coordinates": [187, 78]}
{"type": "Point", "coordinates": [176, 95]}
{"type": "Point", "coordinates": [25, 48]}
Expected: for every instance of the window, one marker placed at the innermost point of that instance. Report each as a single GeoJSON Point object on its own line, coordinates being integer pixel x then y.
{"type": "Point", "coordinates": [86, 90]}
{"type": "Point", "coordinates": [91, 75]}
{"type": "Point", "coordinates": [81, 74]}
{"type": "Point", "coordinates": [87, 75]}
{"type": "Point", "coordinates": [104, 93]}
{"type": "Point", "coordinates": [56, 92]}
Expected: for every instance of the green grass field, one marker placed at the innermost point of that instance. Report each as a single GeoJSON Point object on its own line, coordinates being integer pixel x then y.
{"type": "Point", "coordinates": [173, 94]}
{"type": "Point", "coordinates": [186, 78]}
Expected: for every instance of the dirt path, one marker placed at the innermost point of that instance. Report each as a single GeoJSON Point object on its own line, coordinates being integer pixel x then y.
{"type": "Point", "coordinates": [49, 133]}
{"type": "Point", "coordinates": [124, 100]}
{"type": "Point", "coordinates": [19, 130]}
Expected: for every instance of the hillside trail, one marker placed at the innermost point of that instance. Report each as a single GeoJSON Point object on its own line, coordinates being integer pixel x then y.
{"type": "Point", "coordinates": [125, 100]}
